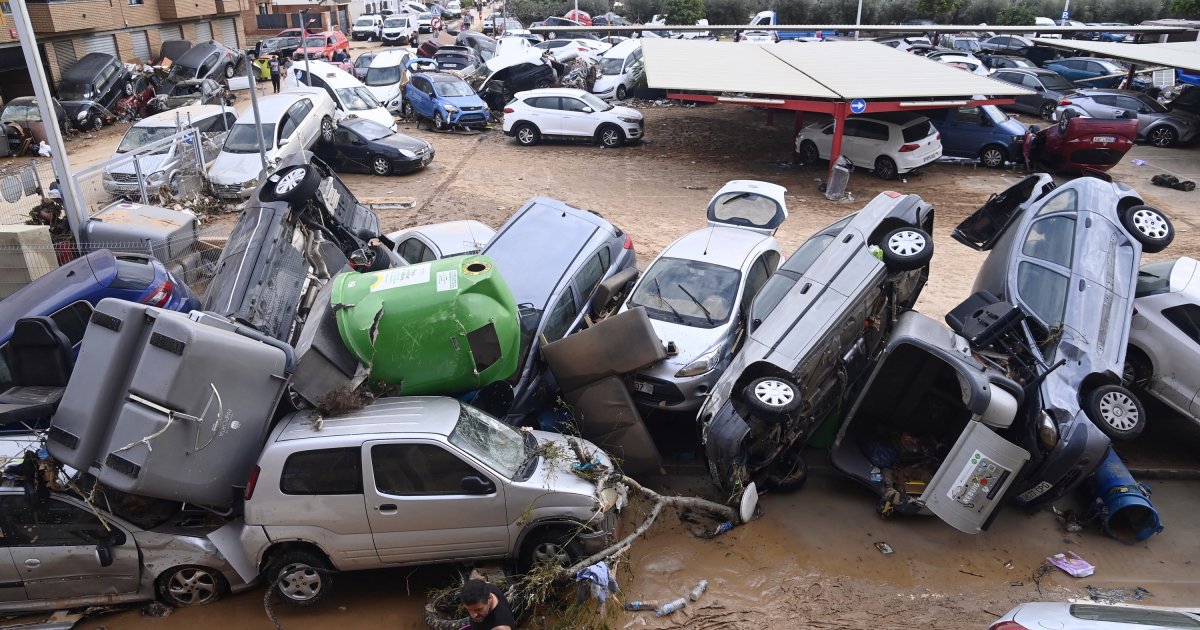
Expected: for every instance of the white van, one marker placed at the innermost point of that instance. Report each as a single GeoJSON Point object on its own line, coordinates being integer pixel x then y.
{"type": "Point", "coordinates": [367, 27]}
{"type": "Point", "coordinates": [350, 96]}
{"type": "Point", "coordinates": [386, 76]}
{"type": "Point", "coordinates": [620, 68]}
{"type": "Point", "coordinates": [400, 30]}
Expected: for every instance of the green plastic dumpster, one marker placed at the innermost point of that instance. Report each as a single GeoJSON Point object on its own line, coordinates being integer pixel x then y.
{"type": "Point", "coordinates": [440, 327]}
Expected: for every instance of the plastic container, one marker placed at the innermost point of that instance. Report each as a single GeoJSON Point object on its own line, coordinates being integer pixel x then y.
{"type": "Point", "coordinates": [670, 607]}
{"type": "Point", "coordinates": [441, 327]}
{"type": "Point", "coordinates": [1126, 512]}
{"type": "Point", "coordinates": [649, 604]}
{"type": "Point", "coordinates": [698, 590]}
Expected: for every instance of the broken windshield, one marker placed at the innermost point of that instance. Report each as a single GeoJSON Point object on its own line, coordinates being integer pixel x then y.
{"type": "Point", "coordinates": [138, 137]}
{"type": "Point", "coordinates": [491, 441]}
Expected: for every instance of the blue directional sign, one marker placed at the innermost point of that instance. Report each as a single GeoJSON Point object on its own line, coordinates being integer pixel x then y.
{"type": "Point", "coordinates": [1066, 15]}
{"type": "Point", "coordinates": [858, 106]}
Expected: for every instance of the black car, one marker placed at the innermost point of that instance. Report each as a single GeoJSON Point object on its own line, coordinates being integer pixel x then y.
{"type": "Point", "coordinates": [458, 58]}
{"type": "Point", "coordinates": [279, 46]}
{"type": "Point", "coordinates": [90, 89]}
{"type": "Point", "coordinates": [498, 88]}
{"type": "Point", "coordinates": [191, 92]}
{"type": "Point", "coordinates": [206, 60]}
{"type": "Point", "coordinates": [365, 146]}
{"type": "Point", "coordinates": [482, 44]}
{"type": "Point", "coordinates": [996, 62]}
{"type": "Point", "coordinates": [172, 49]}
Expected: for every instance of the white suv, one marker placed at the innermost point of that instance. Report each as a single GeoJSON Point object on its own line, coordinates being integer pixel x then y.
{"type": "Point", "coordinates": [889, 144]}
{"type": "Point", "coordinates": [570, 113]}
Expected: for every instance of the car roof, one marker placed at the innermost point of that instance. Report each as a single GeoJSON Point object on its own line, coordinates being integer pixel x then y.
{"type": "Point", "coordinates": [86, 68]}
{"type": "Point", "coordinates": [552, 92]}
{"type": "Point", "coordinates": [196, 54]}
{"type": "Point", "coordinates": [388, 58]}
{"type": "Point", "coordinates": [448, 232]}
{"type": "Point", "coordinates": [623, 49]}
{"type": "Point", "coordinates": [1099, 91]}
{"type": "Point", "coordinates": [168, 118]}
{"type": "Point", "coordinates": [274, 105]}
{"type": "Point", "coordinates": [408, 414]}
{"type": "Point", "coordinates": [58, 288]}
{"type": "Point", "coordinates": [1041, 72]}
{"type": "Point", "coordinates": [724, 246]}
{"type": "Point", "coordinates": [332, 75]}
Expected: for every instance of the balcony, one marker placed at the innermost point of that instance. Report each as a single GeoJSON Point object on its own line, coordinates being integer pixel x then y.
{"type": "Point", "coordinates": [229, 6]}
{"type": "Point", "coordinates": [73, 15]}
{"type": "Point", "coordinates": [176, 9]}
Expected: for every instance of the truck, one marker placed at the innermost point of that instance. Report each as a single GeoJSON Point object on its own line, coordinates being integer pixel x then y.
{"type": "Point", "coordinates": [770, 18]}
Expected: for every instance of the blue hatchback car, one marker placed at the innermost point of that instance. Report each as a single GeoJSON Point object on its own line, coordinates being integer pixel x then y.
{"type": "Point", "coordinates": [444, 99]}
{"type": "Point", "coordinates": [984, 133]}
{"type": "Point", "coordinates": [68, 294]}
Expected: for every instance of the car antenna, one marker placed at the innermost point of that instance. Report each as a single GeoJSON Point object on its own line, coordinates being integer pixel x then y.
{"type": "Point", "coordinates": [709, 240]}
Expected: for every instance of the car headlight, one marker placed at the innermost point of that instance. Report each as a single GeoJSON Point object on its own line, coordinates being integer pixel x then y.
{"type": "Point", "coordinates": [1018, 139]}
{"type": "Point", "coordinates": [1047, 431]}
{"type": "Point", "coordinates": [407, 154]}
{"type": "Point", "coordinates": [450, 109]}
{"type": "Point", "coordinates": [628, 119]}
{"type": "Point", "coordinates": [82, 115]}
{"type": "Point", "coordinates": [702, 364]}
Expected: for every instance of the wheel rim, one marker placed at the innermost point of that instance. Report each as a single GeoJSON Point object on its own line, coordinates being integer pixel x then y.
{"type": "Point", "coordinates": [992, 158]}
{"type": "Point", "coordinates": [609, 137]}
{"type": "Point", "coordinates": [129, 89]}
{"type": "Point", "coordinates": [174, 185]}
{"type": "Point", "coordinates": [1118, 411]}
{"type": "Point", "coordinates": [1150, 223]}
{"type": "Point", "coordinates": [1047, 111]}
{"type": "Point", "coordinates": [438, 120]}
{"type": "Point", "coordinates": [97, 123]}
{"type": "Point", "coordinates": [774, 393]}
{"type": "Point", "coordinates": [621, 92]}
{"type": "Point", "coordinates": [1161, 137]}
{"type": "Point", "coordinates": [326, 130]}
{"type": "Point", "coordinates": [229, 71]}
{"type": "Point", "coordinates": [381, 166]}
{"type": "Point", "coordinates": [299, 582]}
{"type": "Point", "coordinates": [525, 135]}
{"type": "Point", "coordinates": [810, 153]}
{"type": "Point", "coordinates": [289, 181]}
{"type": "Point", "coordinates": [192, 586]}
{"type": "Point", "coordinates": [906, 243]}
{"type": "Point", "coordinates": [886, 169]}
{"type": "Point", "coordinates": [548, 552]}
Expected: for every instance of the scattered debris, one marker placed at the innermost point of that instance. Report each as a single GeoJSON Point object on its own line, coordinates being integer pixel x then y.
{"type": "Point", "coordinates": [646, 604]}
{"type": "Point", "coordinates": [1072, 564]}
{"type": "Point", "coordinates": [969, 573]}
{"type": "Point", "coordinates": [670, 607]}
{"type": "Point", "coordinates": [698, 590]}
{"type": "Point", "coordinates": [1117, 595]}
{"type": "Point", "coordinates": [1167, 180]}
{"type": "Point", "coordinates": [157, 609]}
{"type": "Point", "coordinates": [883, 548]}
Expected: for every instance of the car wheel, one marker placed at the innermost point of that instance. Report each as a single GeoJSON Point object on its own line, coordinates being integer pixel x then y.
{"type": "Point", "coordinates": [992, 156]}
{"type": "Point", "coordinates": [300, 578]}
{"type": "Point", "coordinates": [1163, 136]}
{"type": "Point", "coordinates": [1047, 110]}
{"type": "Point", "coordinates": [190, 586]}
{"type": "Point", "coordinates": [173, 185]}
{"type": "Point", "coordinates": [906, 248]}
{"type": "Point", "coordinates": [97, 123]}
{"type": "Point", "coordinates": [1149, 226]}
{"type": "Point", "coordinates": [1137, 369]}
{"type": "Point", "coordinates": [622, 92]}
{"type": "Point", "coordinates": [293, 185]}
{"type": "Point", "coordinates": [611, 136]}
{"type": "Point", "coordinates": [381, 165]}
{"type": "Point", "coordinates": [1116, 411]}
{"type": "Point", "coordinates": [772, 396]}
{"type": "Point", "coordinates": [544, 83]}
{"type": "Point", "coordinates": [551, 546]}
{"type": "Point", "coordinates": [327, 129]}
{"type": "Point", "coordinates": [527, 135]}
{"type": "Point", "coordinates": [789, 474]}
{"type": "Point", "coordinates": [128, 88]}
{"type": "Point", "coordinates": [229, 71]}
{"type": "Point", "coordinates": [439, 121]}
{"type": "Point", "coordinates": [809, 155]}
{"type": "Point", "coordinates": [406, 109]}
{"type": "Point", "coordinates": [885, 168]}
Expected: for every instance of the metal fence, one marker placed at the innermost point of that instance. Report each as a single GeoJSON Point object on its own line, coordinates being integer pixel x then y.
{"type": "Point", "coordinates": [21, 188]}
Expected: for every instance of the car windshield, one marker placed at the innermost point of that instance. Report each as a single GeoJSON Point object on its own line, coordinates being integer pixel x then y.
{"type": "Point", "coordinates": [366, 21]}
{"type": "Point", "coordinates": [138, 137]}
{"type": "Point", "coordinates": [690, 292]}
{"type": "Point", "coordinates": [241, 138]}
{"type": "Point", "coordinates": [452, 88]}
{"type": "Point", "coordinates": [995, 113]}
{"type": "Point", "coordinates": [1154, 278]}
{"type": "Point", "coordinates": [357, 99]}
{"type": "Point", "coordinates": [611, 65]}
{"type": "Point", "coordinates": [314, 42]}
{"type": "Point", "coordinates": [491, 441]}
{"type": "Point", "coordinates": [372, 130]}
{"type": "Point", "coordinates": [74, 91]}
{"type": "Point", "coordinates": [395, 23]}
{"type": "Point", "coordinates": [21, 113]}
{"type": "Point", "coordinates": [1056, 82]}
{"type": "Point", "coordinates": [593, 101]}
{"type": "Point", "coordinates": [385, 75]}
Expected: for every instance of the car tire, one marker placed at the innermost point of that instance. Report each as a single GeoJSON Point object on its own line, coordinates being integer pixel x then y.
{"type": "Point", "coordinates": [885, 168]}
{"type": "Point", "coordinates": [1137, 369]}
{"type": "Point", "coordinates": [610, 136]}
{"type": "Point", "coordinates": [789, 473]}
{"type": "Point", "coordinates": [772, 396]}
{"type": "Point", "coordinates": [906, 248]}
{"type": "Point", "coordinates": [300, 578]}
{"type": "Point", "coordinates": [230, 70]}
{"type": "Point", "coordinates": [439, 122]}
{"type": "Point", "coordinates": [527, 135]}
{"type": "Point", "coordinates": [543, 84]}
{"type": "Point", "coordinates": [128, 88]}
{"type": "Point", "coordinates": [406, 110]}
{"type": "Point", "coordinates": [1116, 411]}
{"type": "Point", "coordinates": [992, 156]}
{"type": "Point", "coordinates": [1162, 136]}
{"type": "Point", "coordinates": [327, 129]}
{"type": "Point", "coordinates": [293, 185]}
{"type": "Point", "coordinates": [548, 545]}
{"type": "Point", "coordinates": [1046, 111]}
{"type": "Point", "coordinates": [622, 92]}
{"type": "Point", "coordinates": [381, 166]}
{"type": "Point", "coordinates": [190, 585]}
{"type": "Point", "coordinates": [96, 123]}
{"type": "Point", "coordinates": [1149, 226]}
{"type": "Point", "coordinates": [809, 154]}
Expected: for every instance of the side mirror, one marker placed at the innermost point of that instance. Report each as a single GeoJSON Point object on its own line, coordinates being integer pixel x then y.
{"type": "Point", "coordinates": [472, 484]}
{"type": "Point", "coordinates": [587, 110]}
{"type": "Point", "coordinates": [283, 142]}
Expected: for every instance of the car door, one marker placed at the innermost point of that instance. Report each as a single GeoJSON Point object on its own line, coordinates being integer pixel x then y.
{"type": "Point", "coordinates": [851, 147]}
{"type": "Point", "coordinates": [545, 114]}
{"type": "Point", "coordinates": [419, 93]}
{"type": "Point", "coordinates": [420, 509]}
{"type": "Point", "coordinates": [956, 132]}
{"type": "Point", "coordinates": [575, 117]}
{"type": "Point", "coordinates": [53, 549]}
{"type": "Point", "coordinates": [871, 139]}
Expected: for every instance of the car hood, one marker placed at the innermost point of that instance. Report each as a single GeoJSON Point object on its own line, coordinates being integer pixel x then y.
{"type": "Point", "coordinates": [384, 93]}
{"type": "Point", "coordinates": [607, 82]}
{"type": "Point", "coordinates": [627, 112]}
{"type": "Point", "coordinates": [403, 142]}
{"type": "Point", "coordinates": [554, 483]}
{"type": "Point", "coordinates": [471, 100]}
{"type": "Point", "coordinates": [1012, 126]}
{"type": "Point", "coordinates": [235, 168]}
{"type": "Point", "coordinates": [379, 115]}
{"type": "Point", "coordinates": [690, 342]}
{"type": "Point", "coordinates": [149, 164]}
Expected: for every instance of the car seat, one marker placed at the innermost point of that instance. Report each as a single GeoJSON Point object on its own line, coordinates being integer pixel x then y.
{"type": "Point", "coordinates": [39, 358]}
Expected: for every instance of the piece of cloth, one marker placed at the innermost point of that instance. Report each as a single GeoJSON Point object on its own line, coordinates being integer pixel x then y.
{"type": "Point", "coordinates": [501, 614]}
{"type": "Point", "coordinates": [600, 575]}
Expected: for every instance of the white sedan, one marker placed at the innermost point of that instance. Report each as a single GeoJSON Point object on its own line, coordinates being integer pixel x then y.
{"type": "Point", "coordinates": [570, 113]}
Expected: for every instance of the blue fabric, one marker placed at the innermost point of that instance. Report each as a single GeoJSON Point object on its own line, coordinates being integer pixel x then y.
{"type": "Point", "coordinates": [599, 574]}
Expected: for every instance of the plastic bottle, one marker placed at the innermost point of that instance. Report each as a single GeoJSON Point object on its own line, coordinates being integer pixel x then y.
{"type": "Point", "coordinates": [701, 586]}
{"type": "Point", "coordinates": [722, 528]}
{"type": "Point", "coordinates": [670, 607]}
{"type": "Point", "coordinates": [649, 604]}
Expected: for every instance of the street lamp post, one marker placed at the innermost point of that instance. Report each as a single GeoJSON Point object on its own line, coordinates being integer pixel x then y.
{"type": "Point", "coordinates": [304, 45]}
{"type": "Point", "coordinates": [858, 19]}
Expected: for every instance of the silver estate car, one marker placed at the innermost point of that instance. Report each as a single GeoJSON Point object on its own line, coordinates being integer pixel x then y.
{"type": "Point", "coordinates": [698, 291]}
{"type": "Point", "coordinates": [814, 329]}
{"type": "Point", "coordinates": [407, 481]}
{"type": "Point", "coordinates": [58, 554]}
{"type": "Point", "coordinates": [1163, 358]}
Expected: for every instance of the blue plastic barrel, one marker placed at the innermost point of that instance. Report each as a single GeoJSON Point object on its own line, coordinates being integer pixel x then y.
{"type": "Point", "coordinates": [1124, 504]}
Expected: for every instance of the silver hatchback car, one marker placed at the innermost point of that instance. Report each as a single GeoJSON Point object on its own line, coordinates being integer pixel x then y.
{"type": "Point", "coordinates": [1163, 358]}
{"type": "Point", "coordinates": [408, 481]}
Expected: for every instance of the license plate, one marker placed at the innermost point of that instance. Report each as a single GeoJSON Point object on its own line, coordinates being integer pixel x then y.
{"type": "Point", "coordinates": [929, 158]}
{"type": "Point", "coordinates": [645, 388]}
{"type": "Point", "coordinates": [1104, 139]}
{"type": "Point", "coordinates": [1035, 492]}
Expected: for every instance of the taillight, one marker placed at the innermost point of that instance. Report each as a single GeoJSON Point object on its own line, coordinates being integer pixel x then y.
{"type": "Point", "coordinates": [509, 110]}
{"type": "Point", "coordinates": [1064, 102]}
{"type": "Point", "coordinates": [161, 294]}
{"type": "Point", "coordinates": [891, 193]}
{"type": "Point", "coordinates": [1007, 625]}
{"type": "Point", "coordinates": [251, 482]}
{"type": "Point", "coordinates": [909, 147]}
{"type": "Point", "coordinates": [628, 242]}
{"type": "Point", "coordinates": [937, 136]}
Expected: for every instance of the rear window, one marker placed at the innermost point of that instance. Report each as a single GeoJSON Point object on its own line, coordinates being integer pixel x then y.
{"type": "Point", "coordinates": [325, 471]}
{"type": "Point", "coordinates": [918, 131]}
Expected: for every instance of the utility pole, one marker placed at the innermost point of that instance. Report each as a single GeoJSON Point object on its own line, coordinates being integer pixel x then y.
{"type": "Point", "coordinates": [858, 18]}
{"type": "Point", "coordinates": [73, 201]}
{"type": "Point", "coordinates": [258, 130]}
{"type": "Point", "coordinates": [304, 45]}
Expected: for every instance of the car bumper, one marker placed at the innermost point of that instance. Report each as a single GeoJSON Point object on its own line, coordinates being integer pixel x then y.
{"type": "Point", "coordinates": [399, 40]}
{"type": "Point", "coordinates": [473, 117]}
{"type": "Point", "coordinates": [676, 394]}
{"type": "Point", "coordinates": [1078, 452]}
{"type": "Point", "coordinates": [907, 163]}
{"type": "Point", "coordinates": [407, 165]}
{"type": "Point", "coordinates": [425, 29]}
{"type": "Point", "coordinates": [634, 131]}
{"type": "Point", "coordinates": [232, 191]}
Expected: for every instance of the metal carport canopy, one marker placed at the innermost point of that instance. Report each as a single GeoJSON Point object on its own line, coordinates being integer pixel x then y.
{"type": "Point", "coordinates": [1184, 55]}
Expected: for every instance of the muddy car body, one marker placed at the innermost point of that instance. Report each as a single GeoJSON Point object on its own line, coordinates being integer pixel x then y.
{"type": "Point", "coordinates": [91, 88]}
{"type": "Point", "coordinates": [815, 328]}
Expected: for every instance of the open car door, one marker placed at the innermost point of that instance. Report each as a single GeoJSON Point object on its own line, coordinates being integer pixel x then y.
{"type": "Point", "coordinates": [974, 478]}
{"type": "Point", "coordinates": [981, 230]}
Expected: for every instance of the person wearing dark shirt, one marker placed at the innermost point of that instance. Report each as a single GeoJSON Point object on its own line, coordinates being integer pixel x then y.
{"type": "Point", "coordinates": [487, 606]}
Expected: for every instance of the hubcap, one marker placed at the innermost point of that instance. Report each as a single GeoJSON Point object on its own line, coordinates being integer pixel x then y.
{"type": "Point", "coordinates": [192, 586]}
{"type": "Point", "coordinates": [1118, 411]}
{"type": "Point", "coordinates": [610, 137]}
{"type": "Point", "coordinates": [1150, 223]}
{"type": "Point", "coordinates": [906, 243]}
{"type": "Point", "coordinates": [289, 181]}
{"type": "Point", "coordinates": [381, 165]}
{"type": "Point", "coordinates": [551, 553]}
{"type": "Point", "coordinates": [1161, 137]}
{"type": "Point", "coordinates": [886, 169]}
{"type": "Point", "coordinates": [774, 393]}
{"type": "Point", "coordinates": [526, 135]}
{"type": "Point", "coordinates": [992, 157]}
{"type": "Point", "coordinates": [327, 130]}
{"type": "Point", "coordinates": [299, 582]}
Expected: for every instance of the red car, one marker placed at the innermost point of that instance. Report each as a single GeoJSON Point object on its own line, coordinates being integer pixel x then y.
{"type": "Point", "coordinates": [579, 16]}
{"type": "Point", "coordinates": [1075, 144]}
{"type": "Point", "coordinates": [323, 46]}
